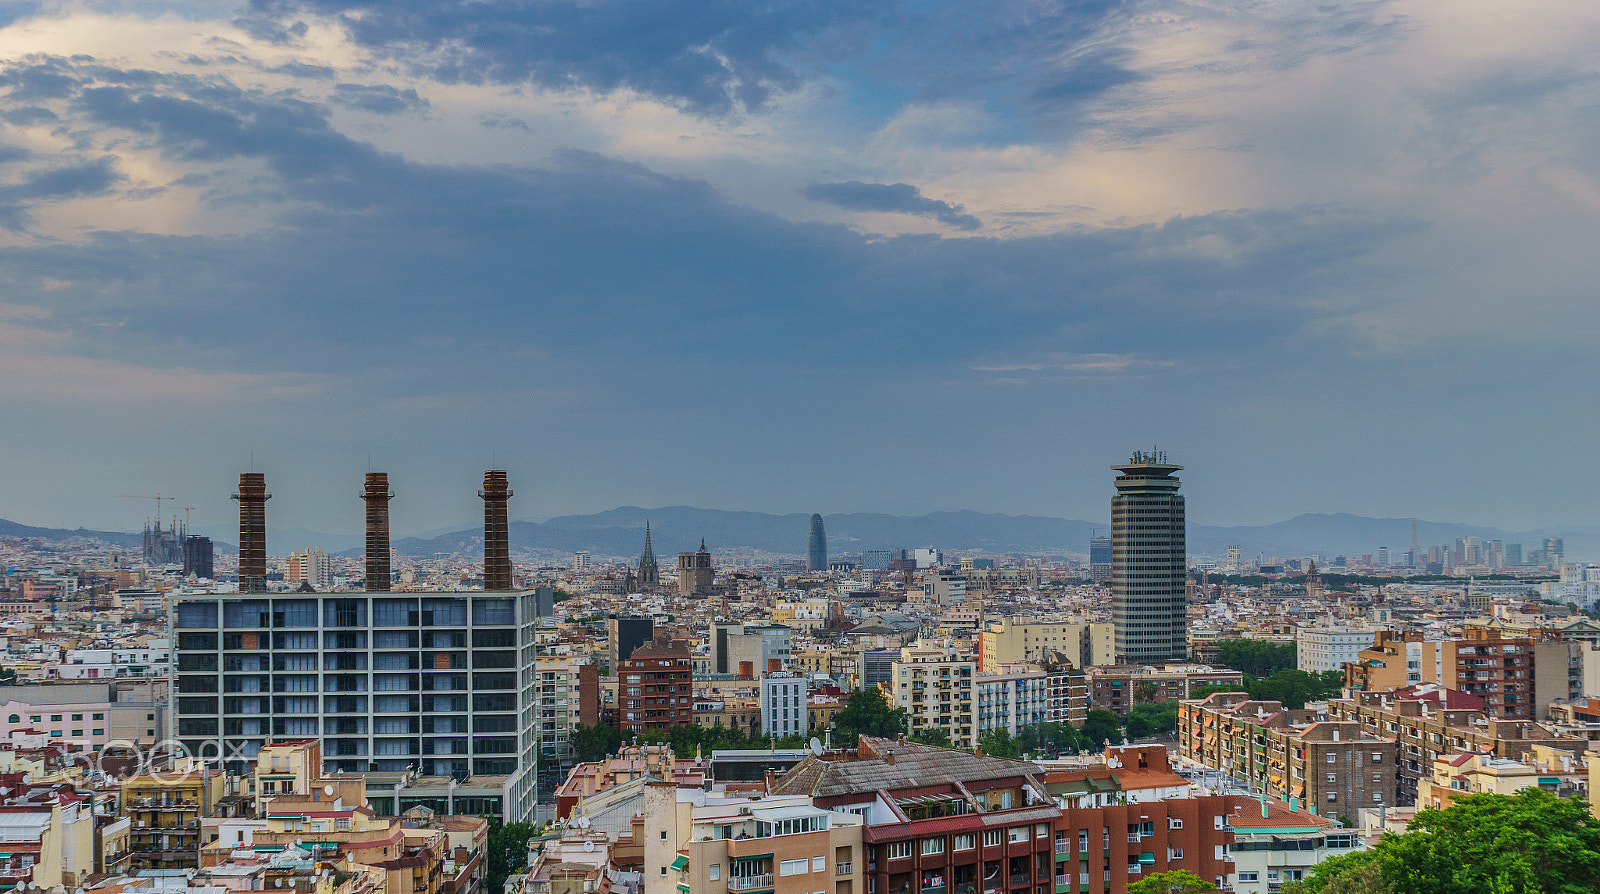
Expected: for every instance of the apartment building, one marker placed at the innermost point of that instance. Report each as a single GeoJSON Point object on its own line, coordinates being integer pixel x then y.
{"type": "Point", "coordinates": [656, 687]}
{"type": "Point", "coordinates": [164, 810]}
{"type": "Point", "coordinates": [1517, 677]}
{"type": "Point", "coordinates": [783, 705]}
{"type": "Point", "coordinates": [1328, 767]}
{"type": "Point", "coordinates": [566, 694]}
{"type": "Point", "coordinates": [1426, 722]}
{"type": "Point", "coordinates": [1470, 773]}
{"type": "Point", "coordinates": [387, 682]}
{"type": "Point", "coordinates": [938, 820]}
{"type": "Point", "coordinates": [1116, 687]}
{"type": "Point", "coordinates": [935, 689]}
{"type": "Point", "coordinates": [1330, 648]}
{"type": "Point", "coordinates": [87, 716]}
{"type": "Point", "coordinates": [777, 845]}
{"type": "Point", "coordinates": [1023, 695]}
{"type": "Point", "coordinates": [1010, 641]}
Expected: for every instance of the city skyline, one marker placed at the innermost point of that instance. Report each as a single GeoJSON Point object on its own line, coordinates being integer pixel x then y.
{"type": "Point", "coordinates": [898, 261]}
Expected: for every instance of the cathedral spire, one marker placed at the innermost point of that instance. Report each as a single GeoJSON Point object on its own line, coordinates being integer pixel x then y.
{"type": "Point", "coordinates": [649, 571]}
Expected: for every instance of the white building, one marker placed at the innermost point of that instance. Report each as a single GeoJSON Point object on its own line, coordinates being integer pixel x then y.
{"type": "Point", "coordinates": [935, 689]}
{"type": "Point", "coordinates": [581, 561]}
{"type": "Point", "coordinates": [1320, 649]}
{"type": "Point", "coordinates": [927, 557]}
{"type": "Point", "coordinates": [783, 705]}
{"type": "Point", "coordinates": [310, 566]}
{"type": "Point", "coordinates": [1579, 585]}
{"type": "Point", "coordinates": [1010, 701]}
{"type": "Point", "coordinates": [945, 589]}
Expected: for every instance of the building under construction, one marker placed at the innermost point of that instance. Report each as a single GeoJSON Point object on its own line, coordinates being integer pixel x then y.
{"type": "Point", "coordinates": [163, 546]}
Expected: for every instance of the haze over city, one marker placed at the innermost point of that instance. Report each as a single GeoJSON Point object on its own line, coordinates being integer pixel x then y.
{"type": "Point", "coordinates": [835, 257]}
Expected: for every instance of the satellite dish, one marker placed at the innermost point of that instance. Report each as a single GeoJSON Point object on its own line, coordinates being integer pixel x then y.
{"type": "Point", "coordinates": [816, 745]}
{"type": "Point", "coordinates": [327, 790]}
{"type": "Point", "coordinates": [588, 847]}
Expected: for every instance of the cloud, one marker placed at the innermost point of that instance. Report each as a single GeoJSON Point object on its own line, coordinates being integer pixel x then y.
{"type": "Point", "coordinates": [380, 99]}
{"type": "Point", "coordinates": [54, 184]}
{"type": "Point", "coordinates": [899, 198]}
{"type": "Point", "coordinates": [712, 56]}
{"type": "Point", "coordinates": [27, 116]}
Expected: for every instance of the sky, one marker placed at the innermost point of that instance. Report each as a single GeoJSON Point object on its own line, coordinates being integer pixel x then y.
{"type": "Point", "coordinates": [812, 256]}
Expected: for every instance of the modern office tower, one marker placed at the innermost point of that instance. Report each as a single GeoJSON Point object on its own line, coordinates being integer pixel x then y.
{"type": "Point", "coordinates": [1513, 554]}
{"type": "Point", "coordinates": [694, 573]}
{"type": "Point", "coordinates": [816, 546]}
{"type": "Point", "coordinates": [1099, 558]}
{"type": "Point", "coordinates": [388, 682]}
{"type": "Point", "coordinates": [310, 566]}
{"type": "Point", "coordinates": [1234, 560]}
{"type": "Point", "coordinates": [1149, 603]}
{"type": "Point", "coordinates": [496, 531]}
{"type": "Point", "coordinates": [783, 705]}
{"type": "Point", "coordinates": [1383, 557]}
{"type": "Point", "coordinates": [252, 497]}
{"type": "Point", "coordinates": [582, 561]}
{"type": "Point", "coordinates": [881, 559]}
{"type": "Point", "coordinates": [649, 571]}
{"type": "Point", "coordinates": [1555, 552]}
{"type": "Point", "coordinates": [623, 635]}
{"type": "Point", "coordinates": [197, 557]}
{"type": "Point", "coordinates": [377, 496]}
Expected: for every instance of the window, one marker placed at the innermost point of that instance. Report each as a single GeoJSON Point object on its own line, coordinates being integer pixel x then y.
{"type": "Point", "coordinates": [932, 846]}
{"type": "Point", "coordinates": [1333, 758]}
{"type": "Point", "coordinates": [663, 835]}
{"type": "Point", "coordinates": [899, 850]}
{"type": "Point", "coordinates": [795, 867]}
{"type": "Point", "coordinates": [17, 718]}
{"type": "Point", "coordinates": [966, 842]}
{"type": "Point", "coordinates": [993, 838]}
{"type": "Point", "coordinates": [99, 717]}
{"type": "Point", "coordinates": [1174, 823]}
{"type": "Point", "coordinates": [1249, 876]}
{"type": "Point", "coordinates": [1174, 853]}
{"type": "Point", "coordinates": [820, 864]}
{"type": "Point", "coordinates": [1333, 796]}
{"type": "Point", "coordinates": [1041, 830]}
{"type": "Point", "coordinates": [1377, 796]}
{"type": "Point", "coordinates": [1377, 757]}
{"type": "Point", "coordinates": [55, 718]}
{"type": "Point", "coordinates": [98, 732]}
{"type": "Point", "coordinates": [714, 871]}
{"type": "Point", "coordinates": [1333, 777]}
{"type": "Point", "coordinates": [78, 717]}
{"type": "Point", "coordinates": [1017, 834]}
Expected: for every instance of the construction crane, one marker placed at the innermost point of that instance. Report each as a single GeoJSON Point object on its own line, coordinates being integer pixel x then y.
{"type": "Point", "coordinates": [158, 498]}
{"type": "Point", "coordinates": [186, 511]}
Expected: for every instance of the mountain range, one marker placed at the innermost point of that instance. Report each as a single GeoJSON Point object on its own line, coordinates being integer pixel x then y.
{"type": "Point", "coordinates": [620, 533]}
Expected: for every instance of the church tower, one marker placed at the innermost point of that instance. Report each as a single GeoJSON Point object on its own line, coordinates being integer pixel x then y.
{"type": "Point", "coordinates": [649, 572]}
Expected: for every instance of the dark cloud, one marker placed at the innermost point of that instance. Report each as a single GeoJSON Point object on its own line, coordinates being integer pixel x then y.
{"type": "Point", "coordinates": [304, 70]}
{"type": "Point", "coordinates": [708, 55]}
{"type": "Point", "coordinates": [55, 184]}
{"type": "Point", "coordinates": [27, 116]}
{"type": "Point", "coordinates": [503, 122]}
{"type": "Point", "coordinates": [380, 99]}
{"type": "Point", "coordinates": [901, 198]}
{"type": "Point", "coordinates": [269, 30]}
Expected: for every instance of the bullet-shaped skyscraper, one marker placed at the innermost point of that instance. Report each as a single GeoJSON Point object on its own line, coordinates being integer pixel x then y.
{"type": "Point", "coordinates": [1149, 600]}
{"type": "Point", "coordinates": [816, 546]}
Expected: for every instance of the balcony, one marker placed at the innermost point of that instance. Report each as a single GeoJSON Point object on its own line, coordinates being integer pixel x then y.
{"type": "Point", "coordinates": [1061, 847]}
{"type": "Point", "coordinates": [1021, 879]}
{"type": "Point", "coordinates": [843, 868]}
{"type": "Point", "coordinates": [750, 882]}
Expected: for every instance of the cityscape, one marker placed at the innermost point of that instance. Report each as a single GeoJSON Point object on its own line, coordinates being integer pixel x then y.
{"type": "Point", "coordinates": [692, 447]}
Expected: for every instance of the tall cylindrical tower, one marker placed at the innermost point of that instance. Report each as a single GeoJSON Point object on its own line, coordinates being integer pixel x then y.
{"type": "Point", "coordinates": [816, 546]}
{"type": "Point", "coordinates": [1150, 607]}
{"type": "Point", "coordinates": [496, 531]}
{"type": "Point", "coordinates": [377, 496]}
{"type": "Point", "coordinates": [252, 497]}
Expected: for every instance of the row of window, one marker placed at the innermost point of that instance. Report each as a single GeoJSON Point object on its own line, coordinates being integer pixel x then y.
{"type": "Point", "coordinates": [899, 850]}
{"type": "Point", "coordinates": [389, 612]}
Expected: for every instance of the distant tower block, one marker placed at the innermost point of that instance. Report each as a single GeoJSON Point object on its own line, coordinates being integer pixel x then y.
{"type": "Point", "coordinates": [252, 497]}
{"type": "Point", "coordinates": [816, 546]}
{"type": "Point", "coordinates": [496, 531]}
{"type": "Point", "coordinates": [1149, 606]}
{"type": "Point", "coordinates": [649, 569]}
{"type": "Point", "coordinates": [377, 496]}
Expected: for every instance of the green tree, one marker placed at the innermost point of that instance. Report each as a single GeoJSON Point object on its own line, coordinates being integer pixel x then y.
{"type": "Point", "coordinates": [934, 735]}
{"type": "Point", "coordinates": [1144, 691]}
{"type": "Point", "coordinates": [1175, 881]}
{"type": "Point", "coordinates": [1100, 727]}
{"type": "Point", "coordinates": [867, 714]}
{"type": "Point", "coordinates": [1053, 739]}
{"type": "Point", "coordinates": [593, 743]}
{"type": "Point", "coordinates": [1152, 718]}
{"type": "Point", "coordinates": [1257, 657]}
{"type": "Point", "coordinates": [1531, 842]}
{"type": "Point", "coordinates": [508, 852]}
{"type": "Point", "coordinates": [998, 743]}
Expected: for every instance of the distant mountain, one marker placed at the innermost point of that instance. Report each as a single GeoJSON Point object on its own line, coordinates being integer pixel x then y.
{"type": "Point", "coordinates": [620, 532]}
{"type": "Point", "coordinates": [117, 538]}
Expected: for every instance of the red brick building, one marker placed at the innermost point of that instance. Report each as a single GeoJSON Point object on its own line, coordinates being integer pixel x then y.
{"type": "Point", "coordinates": [655, 688]}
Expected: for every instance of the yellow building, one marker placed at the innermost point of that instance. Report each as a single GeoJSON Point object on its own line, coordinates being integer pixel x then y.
{"type": "Point", "coordinates": [1009, 642]}
{"type": "Point", "coordinates": [165, 809]}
